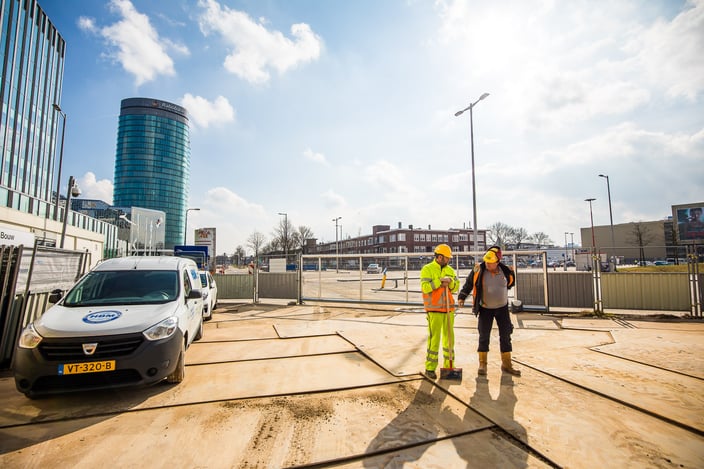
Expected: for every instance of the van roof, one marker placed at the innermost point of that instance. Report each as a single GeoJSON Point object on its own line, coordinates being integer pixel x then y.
{"type": "Point", "coordinates": [146, 263]}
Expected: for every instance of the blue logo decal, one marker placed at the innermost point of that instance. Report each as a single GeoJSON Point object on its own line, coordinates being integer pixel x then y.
{"type": "Point", "coordinates": [101, 316]}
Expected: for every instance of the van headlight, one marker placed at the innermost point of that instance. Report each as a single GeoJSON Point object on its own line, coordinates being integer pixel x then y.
{"type": "Point", "coordinates": [164, 329]}
{"type": "Point", "coordinates": [29, 337]}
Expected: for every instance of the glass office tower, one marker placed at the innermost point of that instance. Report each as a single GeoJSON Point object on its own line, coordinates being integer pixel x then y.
{"type": "Point", "coordinates": [152, 164]}
{"type": "Point", "coordinates": [32, 60]}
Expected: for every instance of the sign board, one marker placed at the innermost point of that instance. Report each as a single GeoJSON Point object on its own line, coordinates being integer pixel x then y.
{"type": "Point", "coordinates": [277, 265]}
{"type": "Point", "coordinates": [12, 237]}
{"type": "Point", "coordinates": [689, 222]}
{"type": "Point", "coordinates": [206, 237]}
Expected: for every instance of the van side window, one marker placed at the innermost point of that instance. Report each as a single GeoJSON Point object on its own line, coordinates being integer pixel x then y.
{"type": "Point", "coordinates": [186, 284]}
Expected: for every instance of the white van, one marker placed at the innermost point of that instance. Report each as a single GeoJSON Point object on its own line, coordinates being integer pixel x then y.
{"type": "Point", "coordinates": [127, 322]}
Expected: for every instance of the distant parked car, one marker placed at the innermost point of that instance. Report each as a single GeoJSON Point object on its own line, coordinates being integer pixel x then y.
{"type": "Point", "coordinates": [210, 294]}
{"type": "Point", "coordinates": [373, 269]}
{"type": "Point", "coordinates": [661, 262]}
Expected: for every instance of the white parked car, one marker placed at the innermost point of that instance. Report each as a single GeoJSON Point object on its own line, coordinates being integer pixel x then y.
{"type": "Point", "coordinates": [210, 294]}
{"type": "Point", "coordinates": [373, 269]}
{"type": "Point", "coordinates": [127, 322]}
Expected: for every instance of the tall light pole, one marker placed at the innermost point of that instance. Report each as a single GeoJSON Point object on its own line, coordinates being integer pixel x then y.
{"type": "Point", "coordinates": [565, 251]}
{"type": "Point", "coordinates": [474, 186]}
{"type": "Point", "coordinates": [611, 215]}
{"type": "Point", "coordinates": [337, 251]}
{"type": "Point", "coordinates": [572, 245]}
{"type": "Point", "coordinates": [591, 216]}
{"type": "Point", "coordinates": [72, 190]}
{"type": "Point", "coordinates": [185, 225]}
{"type": "Point", "coordinates": [61, 159]}
{"type": "Point", "coordinates": [285, 215]}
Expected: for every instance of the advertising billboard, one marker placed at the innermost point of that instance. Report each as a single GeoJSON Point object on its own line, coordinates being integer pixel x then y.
{"type": "Point", "coordinates": [206, 237]}
{"type": "Point", "coordinates": [689, 220]}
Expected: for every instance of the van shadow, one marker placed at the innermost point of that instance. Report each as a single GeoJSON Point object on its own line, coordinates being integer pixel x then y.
{"type": "Point", "coordinates": [27, 422]}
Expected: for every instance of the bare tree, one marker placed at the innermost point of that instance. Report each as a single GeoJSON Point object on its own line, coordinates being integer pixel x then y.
{"type": "Point", "coordinates": [498, 233]}
{"type": "Point", "coordinates": [239, 254]}
{"type": "Point", "coordinates": [304, 233]}
{"type": "Point", "coordinates": [283, 236]}
{"type": "Point", "coordinates": [516, 236]}
{"type": "Point", "coordinates": [641, 236]}
{"type": "Point", "coordinates": [540, 239]}
{"type": "Point", "coordinates": [256, 241]}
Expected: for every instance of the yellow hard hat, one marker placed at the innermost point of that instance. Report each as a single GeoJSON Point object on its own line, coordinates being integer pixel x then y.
{"type": "Point", "coordinates": [444, 250]}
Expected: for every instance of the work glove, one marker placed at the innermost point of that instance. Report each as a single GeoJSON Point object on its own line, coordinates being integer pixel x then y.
{"type": "Point", "coordinates": [445, 281]}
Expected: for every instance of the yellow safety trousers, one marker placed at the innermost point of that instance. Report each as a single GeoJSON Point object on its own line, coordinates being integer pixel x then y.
{"type": "Point", "coordinates": [440, 325]}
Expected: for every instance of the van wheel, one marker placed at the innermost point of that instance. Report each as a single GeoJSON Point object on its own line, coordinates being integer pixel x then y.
{"type": "Point", "coordinates": [180, 371]}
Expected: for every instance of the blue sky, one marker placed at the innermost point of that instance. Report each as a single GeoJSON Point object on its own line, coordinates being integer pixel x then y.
{"type": "Point", "coordinates": [326, 109]}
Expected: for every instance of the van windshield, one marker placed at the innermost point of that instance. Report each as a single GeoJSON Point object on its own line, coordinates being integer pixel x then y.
{"type": "Point", "coordinates": [124, 287]}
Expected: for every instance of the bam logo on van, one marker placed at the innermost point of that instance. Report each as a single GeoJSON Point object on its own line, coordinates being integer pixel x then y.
{"type": "Point", "coordinates": [101, 316]}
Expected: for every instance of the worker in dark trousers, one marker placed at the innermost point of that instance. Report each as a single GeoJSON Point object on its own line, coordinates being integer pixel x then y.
{"type": "Point", "coordinates": [489, 283]}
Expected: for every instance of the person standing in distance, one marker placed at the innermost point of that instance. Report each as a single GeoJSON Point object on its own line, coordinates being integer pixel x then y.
{"type": "Point", "coordinates": [489, 283]}
{"type": "Point", "coordinates": [438, 281]}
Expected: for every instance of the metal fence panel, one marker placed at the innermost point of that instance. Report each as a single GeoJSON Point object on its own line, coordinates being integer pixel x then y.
{"type": "Point", "coordinates": [570, 289]}
{"type": "Point", "coordinates": [646, 290]}
{"type": "Point", "coordinates": [235, 287]}
{"type": "Point", "coordinates": [530, 288]}
{"type": "Point", "coordinates": [278, 285]}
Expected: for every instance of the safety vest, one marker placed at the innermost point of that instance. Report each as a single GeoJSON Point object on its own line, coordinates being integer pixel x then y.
{"type": "Point", "coordinates": [435, 298]}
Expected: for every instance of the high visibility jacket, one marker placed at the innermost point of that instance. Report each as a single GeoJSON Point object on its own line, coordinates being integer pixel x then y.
{"type": "Point", "coordinates": [434, 299]}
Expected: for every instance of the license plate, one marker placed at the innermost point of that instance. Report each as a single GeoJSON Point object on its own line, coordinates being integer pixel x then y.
{"type": "Point", "coordinates": [87, 367]}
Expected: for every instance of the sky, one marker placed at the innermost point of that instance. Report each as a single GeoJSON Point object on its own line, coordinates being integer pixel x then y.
{"type": "Point", "coordinates": [322, 109]}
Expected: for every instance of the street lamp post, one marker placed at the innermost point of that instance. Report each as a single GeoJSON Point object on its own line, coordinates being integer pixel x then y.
{"type": "Point", "coordinates": [285, 215]}
{"type": "Point", "coordinates": [611, 215]}
{"type": "Point", "coordinates": [474, 187]}
{"type": "Point", "coordinates": [565, 250]}
{"type": "Point", "coordinates": [72, 190]}
{"type": "Point", "coordinates": [337, 251]}
{"type": "Point", "coordinates": [591, 216]}
{"type": "Point", "coordinates": [61, 159]}
{"type": "Point", "coordinates": [572, 246]}
{"type": "Point", "coordinates": [185, 225]}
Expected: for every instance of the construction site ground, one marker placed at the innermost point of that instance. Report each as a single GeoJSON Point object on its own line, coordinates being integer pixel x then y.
{"type": "Point", "coordinates": [273, 386]}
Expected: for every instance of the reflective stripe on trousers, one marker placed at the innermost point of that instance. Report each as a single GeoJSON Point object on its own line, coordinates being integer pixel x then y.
{"type": "Point", "coordinates": [437, 329]}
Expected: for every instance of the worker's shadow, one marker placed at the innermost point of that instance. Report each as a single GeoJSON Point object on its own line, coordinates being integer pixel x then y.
{"type": "Point", "coordinates": [501, 412]}
{"type": "Point", "coordinates": [416, 424]}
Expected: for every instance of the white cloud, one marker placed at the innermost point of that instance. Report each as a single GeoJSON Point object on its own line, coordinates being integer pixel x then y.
{"type": "Point", "coordinates": [316, 157]}
{"type": "Point", "coordinates": [203, 113]}
{"type": "Point", "coordinates": [332, 199]}
{"type": "Point", "coordinates": [135, 44]}
{"type": "Point", "coordinates": [91, 188]}
{"type": "Point", "coordinates": [671, 52]}
{"type": "Point", "coordinates": [86, 24]}
{"type": "Point", "coordinates": [223, 201]}
{"type": "Point", "coordinates": [257, 49]}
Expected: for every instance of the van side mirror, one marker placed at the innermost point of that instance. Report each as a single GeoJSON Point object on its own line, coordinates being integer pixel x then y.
{"type": "Point", "coordinates": [55, 296]}
{"type": "Point", "coordinates": [194, 294]}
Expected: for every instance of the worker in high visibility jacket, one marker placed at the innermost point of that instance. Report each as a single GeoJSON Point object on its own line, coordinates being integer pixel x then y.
{"type": "Point", "coordinates": [438, 281]}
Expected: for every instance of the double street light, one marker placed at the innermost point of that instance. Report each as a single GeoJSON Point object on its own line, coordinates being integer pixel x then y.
{"type": "Point", "coordinates": [591, 216]}
{"type": "Point", "coordinates": [337, 251]}
{"type": "Point", "coordinates": [474, 187]}
{"type": "Point", "coordinates": [61, 159]}
{"type": "Point", "coordinates": [185, 225]}
{"type": "Point", "coordinates": [611, 214]}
